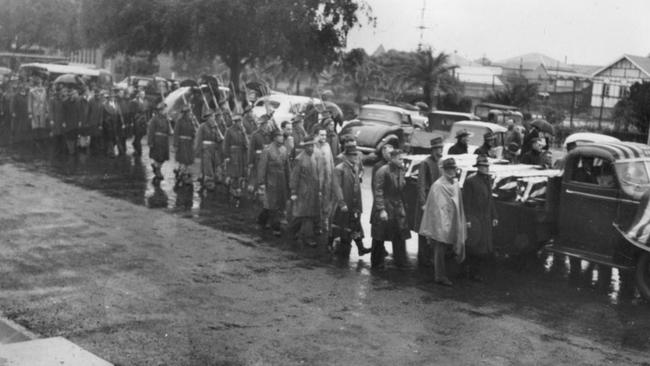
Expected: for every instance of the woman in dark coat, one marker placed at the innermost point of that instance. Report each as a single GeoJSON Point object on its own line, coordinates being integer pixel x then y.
{"type": "Point", "coordinates": [184, 144]}
{"type": "Point", "coordinates": [236, 149]}
{"type": "Point", "coordinates": [481, 215]}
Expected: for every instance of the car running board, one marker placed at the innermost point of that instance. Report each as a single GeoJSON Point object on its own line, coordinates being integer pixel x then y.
{"type": "Point", "coordinates": [590, 257]}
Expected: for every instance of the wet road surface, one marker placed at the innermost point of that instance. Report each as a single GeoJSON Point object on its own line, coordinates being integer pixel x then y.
{"type": "Point", "coordinates": [565, 295]}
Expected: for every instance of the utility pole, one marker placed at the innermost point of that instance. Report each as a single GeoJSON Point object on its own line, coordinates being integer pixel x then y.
{"type": "Point", "coordinates": [422, 27]}
{"type": "Point", "coordinates": [602, 104]}
{"type": "Point", "coordinates": [573, 102]}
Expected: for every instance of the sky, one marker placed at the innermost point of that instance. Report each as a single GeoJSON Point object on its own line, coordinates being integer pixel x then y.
{"type": "Point", "coordinates": [588, 32]}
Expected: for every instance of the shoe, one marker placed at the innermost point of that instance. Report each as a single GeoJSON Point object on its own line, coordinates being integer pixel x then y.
{"type": "Point", "coordinates": [444, 282]}
{"type": "Point", "coordinates": [364, 251]}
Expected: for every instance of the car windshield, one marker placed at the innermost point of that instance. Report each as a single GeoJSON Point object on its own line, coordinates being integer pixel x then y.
{"type": "Point", "coordinates": [633, 176]}
{"type": "Point", "coordinates": [381, 115]}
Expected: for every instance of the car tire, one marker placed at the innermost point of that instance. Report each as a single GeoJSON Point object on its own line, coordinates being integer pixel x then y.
{"type": "Point", "coordinates": [642, 275]}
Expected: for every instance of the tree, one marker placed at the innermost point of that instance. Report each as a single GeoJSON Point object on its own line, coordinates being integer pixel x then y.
{"type": "Point", "coordinates": [521, 95]}
{"type": "Point", "coordinates": [634, 109]}
{"type": "Point", "coordinates": [44, 23]}
{"type": "Point", "coordinates": [357, 72]}
{"type": "Point", "coordinates": [306, 34]}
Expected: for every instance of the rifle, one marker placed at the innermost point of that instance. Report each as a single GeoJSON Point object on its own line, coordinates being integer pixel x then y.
{"type": "Point", "coordinates": [195, 121]}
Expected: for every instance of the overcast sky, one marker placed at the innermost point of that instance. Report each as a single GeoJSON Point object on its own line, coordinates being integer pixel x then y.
{"type": "Point", "coordinates": [593, 32]}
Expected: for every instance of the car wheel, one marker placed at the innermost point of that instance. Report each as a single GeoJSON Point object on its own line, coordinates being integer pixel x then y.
{"type": "Point", "coordinates": [643, 275]}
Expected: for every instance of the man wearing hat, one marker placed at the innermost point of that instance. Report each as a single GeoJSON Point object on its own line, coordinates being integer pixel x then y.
{"type": "Point", "coordinates": [443, 220]}
{"type": "Point", "coordinates": [272, 172]}
{"type": "Point", "coordinates": [481, 216]}
{"type": "Point", "coordinates": [487, 149]}
{"type": "Point", "coordinates": [429, 172]}
{"type": "Point", "coordinates": [184, 143]}
{"type": "Point", "coordinates": [305, 187]}
{"type": "Point", "coordinates": [390, 223]}
{"type": "Point", "coordinates": [460, 147]}
{"type": "Point", "coordinates": [346, 223]}
{"type": "Point", "coordinates": [235, 152]}
{"type": "Point", "coordinates": [325, 162]}
{"type": "Point", "coordinates": [534, 155]}
{"type": "Point", "coordinates": [299, 133]}
{"type": "Point", "coordinates": [248, 120]}
{"type": "Point", "coordinates": [208, 143]}
{"type": "Point", "coordinates": [158, 139]}
{"type": "Point", "coordinates": [93, 121]}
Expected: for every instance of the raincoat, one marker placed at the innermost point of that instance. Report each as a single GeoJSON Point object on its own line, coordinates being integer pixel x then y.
{"type": "Point", "coordinates": [92, 125]}
{"type": "Point", "coordinates": [273, 172]}
{"type": "Point", "coordinates": [347, 192]}
{"type": "Point", "coordinates": [387, 190]}
{"type": "Point", "coordinates": [443, 219]}
{"type": "Point", "coordinates": [158, 138]}
{"type": "Point", "coordinates": [304, 183]}
{"type": "Point", "coordinates": [480, 211]}
{"type": "Point", "coordinates": [429, 172]}
{"type": "Point", "coordinates": [235, 149]}
{"type": "Point", "coordinates": [184, 140]}
{"type": "Point", "coordinates": [258, 142]}
{"type": "Point", "coordinates": [325, 163]}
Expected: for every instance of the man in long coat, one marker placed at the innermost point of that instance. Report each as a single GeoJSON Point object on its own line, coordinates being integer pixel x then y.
{"type": "Point", "coordinates": [348, 206]}
{"type": "Point", "coordinates": [93, 121]}
{"type": "Point", "coordinates": [208, 142]}
{"type": "Point", "coordinates": [390, 223]}
{"type": "Point", "coordinates": [443, 220]}
{"type": "Point", "coordinates": [20, 121]}
{"type": "Point", "coordinates": [56, 119]}
{"type": "Point", "coordinates": [235, 152]}
{"type": "Point", "coordinates": [273, 174]}
{"type": "Point", "coordinates": [184, 143]}
{"type": "Point", "coordinates": [487, 149]}
{"type": "Point", "coordinates": [325, 161]}
{"type": "Point", "coordinates": [385, 151]}
{"type": "Point", "coordinates": [248, 120]}
{"type": "Point", "coordinates": [305, 190]}
{"type": "Point", "coordinates": [259, 139]}
{"type": "Point", "coordinates": [481, 216]}
{"type": "Point", "coordinates": [158, 140]}
{"type": "Point", "coordinates": [429, 172]}
{"type": "Point", "coordinates": [140, 108]}
{"type": "Point", "coordinates": [38, 109]}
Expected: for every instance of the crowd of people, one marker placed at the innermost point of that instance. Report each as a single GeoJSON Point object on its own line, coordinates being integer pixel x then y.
{"type": "Point", "coordinates": [307, 179]}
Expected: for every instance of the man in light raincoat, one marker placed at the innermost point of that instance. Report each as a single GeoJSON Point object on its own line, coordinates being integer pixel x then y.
{"type": "Point", "coordinates": [443, 220]}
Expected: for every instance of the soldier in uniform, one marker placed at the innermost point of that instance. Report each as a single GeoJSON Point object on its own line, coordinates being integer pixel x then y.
{"type": "Point", "coordinates": [378, 260]}
{"type": "Point", "coordinates": [56, 119]}
{"type": "Point", "coordinates": [305, 190]}
{"type": "Point", "coordinates": [260, 138]}
{"type": "Point", "coordinates": [299, 133]}
{"type": "Point", "coordinates": [429, 172]}
{"type": "Point", "coordinates": [390, 223]}
{"type": "Point", "coordinates": [347, 193]}
{"type": "Point", "coordinates": [140, 108]}
{"type": "Point", "coordinates": [460, 147]}
{"type": "Point", "coordinates": [208, 143]}
{"type": "Point", "coordinates": [158, 132]}
{"type": "Point", "coordinates": [184, 142]}
{"type": "Point", "coordinates": [248, 120]}
{"type": "Point", "coordinates": [93, 123]}
{"type": "Point", "coordinates": [273, 173]}
{"type": "Point", "coordinates": [235, 152]}
{"type": "Point", "coordinates": [481, 216]}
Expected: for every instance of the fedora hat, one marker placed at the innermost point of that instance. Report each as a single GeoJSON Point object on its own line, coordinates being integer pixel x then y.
{"type": "Point", "coordinates": [437, 142]}
{"type": "Point", "coordinates": [449, 163]}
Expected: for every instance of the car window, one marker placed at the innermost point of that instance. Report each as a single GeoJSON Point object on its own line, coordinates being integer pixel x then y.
{"type": "Point", "coordinates": [633, 177]}
{"type": "Point", "coordinates": [381, 115]}
{"type": "Point", "coordinates": [594, 171]}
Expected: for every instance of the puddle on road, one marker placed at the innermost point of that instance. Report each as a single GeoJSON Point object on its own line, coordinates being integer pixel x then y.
{"type": "Point", "coordinates": [527, 281]}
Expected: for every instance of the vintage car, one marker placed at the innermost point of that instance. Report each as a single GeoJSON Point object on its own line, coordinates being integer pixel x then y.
{"type": "Point", "coordinates": [498, 113]}
{"type": "Point", "coordinates": [50, 72]}
{"type": "Point", "coordinates": [442, 121]}
{"type": "Point", "coordinates": [597, 209]}
{"type": "Point", "coordinates": [379, 124]}
{"type": "Point", "coordinates": [284, 106]}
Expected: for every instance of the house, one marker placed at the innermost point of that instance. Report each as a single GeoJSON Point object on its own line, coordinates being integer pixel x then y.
{"type": "Point", "coordinates": [479, 81]}
{"type": "Point", "coordinates": [612, 82]}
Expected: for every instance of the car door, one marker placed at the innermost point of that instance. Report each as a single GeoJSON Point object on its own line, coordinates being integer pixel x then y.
{"type": "Point", "coordinates": [588, 206]}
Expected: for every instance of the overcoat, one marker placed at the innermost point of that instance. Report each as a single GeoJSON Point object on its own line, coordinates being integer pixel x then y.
{"type": "Point", "coordinates": [273, 172]}
{"type": "Point", "coordinates": [304, 184]}
{"type": "Point", "coordinates": [184, 140]}
{"type": "Point", "coordinates": [93, 122]}
{"type": "Point", "coordinates": [388, 191]}
{"type": "Point", "coordinates": [479, 211]}
{"type": "Point", "coordinates": [347, 192]}
{"type": "Point", "coordinates": [429, 172]}
{"type": "Point", "coordinates": [236, 148]}
{"type": "Point", "coordinates": [158, 138]}
{"type": "Point", "coordinates": [443, 219]}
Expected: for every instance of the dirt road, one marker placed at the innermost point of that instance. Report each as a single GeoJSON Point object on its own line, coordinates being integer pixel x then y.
{"type": "Point", "coordinates": [139, 286]}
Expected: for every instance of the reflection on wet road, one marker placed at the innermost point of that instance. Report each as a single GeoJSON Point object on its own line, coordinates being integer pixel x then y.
{"type": "Point", "coordinates": [563, 293]}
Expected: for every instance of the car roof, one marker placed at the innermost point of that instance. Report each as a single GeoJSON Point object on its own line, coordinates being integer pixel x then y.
{"type": "Point", "coordinates": [613, 151]}
{"type": "Point", "coordinates": [452, 113]}
{"type": "Point", "coordinates": [385, 107]}
{"type": "Point", "coordinates": [498, 106]}
{"type": "Point", "coordinates": [589, 137]}
{"type": "Point", "coordinates": [480, 124]}
{"type": "Point", "coordinates": [289, 97]}
{"type": "Point", "coordinates": [65, 69]}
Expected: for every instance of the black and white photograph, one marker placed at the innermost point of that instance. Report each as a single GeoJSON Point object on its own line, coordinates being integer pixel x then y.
{"type": "Point", "coordinates": [324, 182]}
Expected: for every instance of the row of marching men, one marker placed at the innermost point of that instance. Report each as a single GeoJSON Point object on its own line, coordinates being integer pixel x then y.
{"type": "Point", "coordinates": [306, 180]}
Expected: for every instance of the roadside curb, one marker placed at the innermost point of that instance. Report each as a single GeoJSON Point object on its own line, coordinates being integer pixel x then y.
{"type": "Point", "coordinates": [12, 332]}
